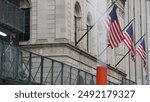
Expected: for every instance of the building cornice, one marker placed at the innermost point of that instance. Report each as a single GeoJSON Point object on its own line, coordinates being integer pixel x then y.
{"type": "Point", "coordinates": [32, 46]}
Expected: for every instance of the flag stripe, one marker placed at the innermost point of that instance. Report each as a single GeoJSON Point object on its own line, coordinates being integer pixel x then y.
{"type": "Point", "coordinates": [113, 35]}
{"type": "Point", "coordinates": [113, 43]}
{"type": "Point", "coordinates": [107, 23]}
{"type": "Point", "coordinates": [119, 30]}
{"type": "Point", "coordinates": [129, 41]}
{"type": "Point", "coordinates": [140, 50]}
{"type": "Point", "coordinates": [128, 37]}
{"type": "Point", "coordinates": [127, 44]}
{"type": "Point", "coordinates": [116, 32]}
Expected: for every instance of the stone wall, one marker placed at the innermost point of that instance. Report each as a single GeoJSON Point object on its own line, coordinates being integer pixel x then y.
{"type": "Point", "coordinates": [52, 33]}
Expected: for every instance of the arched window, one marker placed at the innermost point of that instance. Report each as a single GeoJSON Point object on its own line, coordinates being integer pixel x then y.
{"type": "Point", "coordinates": [89, 18]}
{"type": "Point", "coordinates": [25, 6]}
{"type": "Point", "coordinates": [77, 20]}
{"type": "Point", "coordinates": [89, 25]}
{"type": "Point", "coordinates": [77, 9]}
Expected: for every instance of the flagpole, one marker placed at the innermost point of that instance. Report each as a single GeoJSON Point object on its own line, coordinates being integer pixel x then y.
{"type": "Point", "coordinates": [103, 51]}
{"type": "Point", "coordinates": [121, 31]}
{"type": "Point", "coordinates": [129, 54]}
{"type": "Point", "coordinates": [129, 51]}
{"type": "Point", "coordinates": [95, 23]}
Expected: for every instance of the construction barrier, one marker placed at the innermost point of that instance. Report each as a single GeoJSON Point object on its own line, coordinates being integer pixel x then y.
{"type": "Point", "coordinates": [101, 75]}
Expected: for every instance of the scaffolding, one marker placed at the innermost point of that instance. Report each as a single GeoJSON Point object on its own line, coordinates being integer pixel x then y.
{"type": "Point", "coordinates": [23, 67]}
{"type": "Point", "coordinates": [26, 67]}
{"type": "Point", "coordinates": [12, 17]}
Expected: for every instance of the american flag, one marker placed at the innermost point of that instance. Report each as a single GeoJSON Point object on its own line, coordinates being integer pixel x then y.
{"type": "Point", "coordinates": [142, 52]}
{"type": "Point", "coordinates": [129, 41]}
{"type": "Point", "coordinates": [114, 30]}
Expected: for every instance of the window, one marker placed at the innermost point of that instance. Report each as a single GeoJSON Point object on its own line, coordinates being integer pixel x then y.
{"type": "Point", "coordinates": [77, 20]}
{"type": "Point", "coordinates": [89, 25]}
{"type": "Point", "coordinates": [25, 6]}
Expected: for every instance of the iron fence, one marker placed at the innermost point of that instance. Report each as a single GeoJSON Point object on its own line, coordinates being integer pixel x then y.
{"type": "Point", "coordinates": [113, 80]}
{"type": "Point", "coordinates": [126, 81]}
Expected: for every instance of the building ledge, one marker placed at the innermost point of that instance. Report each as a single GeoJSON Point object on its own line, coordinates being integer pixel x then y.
{"type": "Point", "coordinates": [61, 45]}
{"type": "Point", "coordinates": [117, 70]}
{"type": "Point", "coordinates": [93, 58]}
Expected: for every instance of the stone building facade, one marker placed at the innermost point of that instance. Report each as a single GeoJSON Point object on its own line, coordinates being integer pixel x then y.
{"type": "Point", "coordinates": [52, 32]}
{"type": "Point", "coordinates": [56, 26]}
{"type": "Point", "coordinates": [59, 29]}
{"type": "Point", "coordinates": [138, 9]}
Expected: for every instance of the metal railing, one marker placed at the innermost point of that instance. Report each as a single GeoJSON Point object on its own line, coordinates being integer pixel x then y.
{"type": "Point", "coordinates": [11, 16]}
{"type": "Point", "coordinates": [30, 68]}
{"type": "Point", "coordinates": [126, 81]}
{"type": "Point", "coordinates": [24, 67]}
{"type": "Point", "coordinates": [113, 80]}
